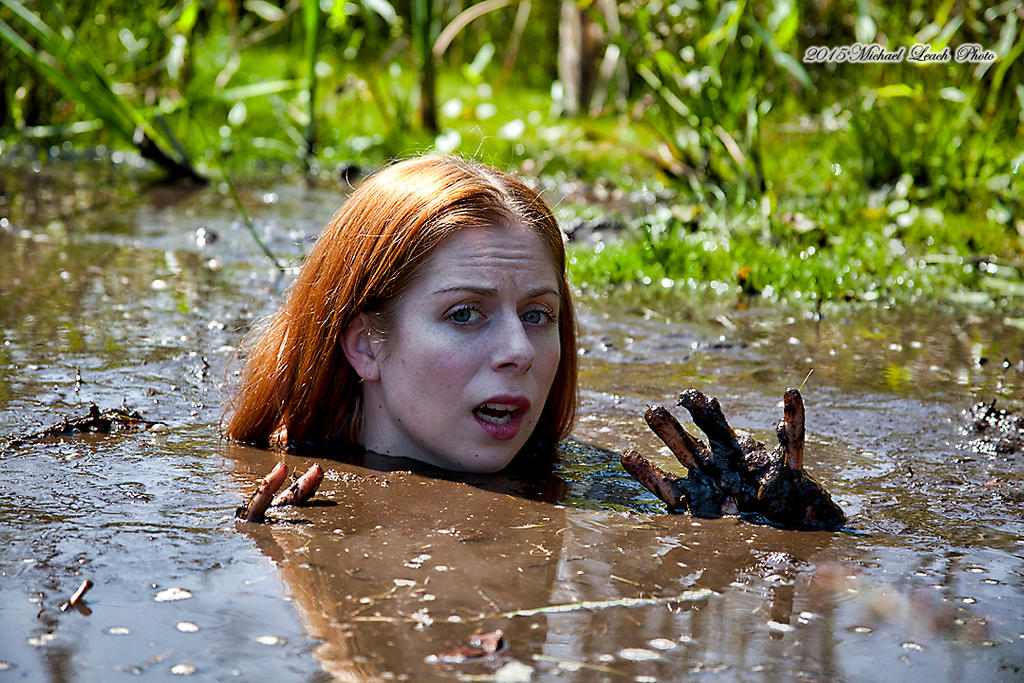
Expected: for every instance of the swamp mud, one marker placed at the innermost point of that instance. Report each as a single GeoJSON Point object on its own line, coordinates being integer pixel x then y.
{"type": "Point", "coordinates": [118, 296]}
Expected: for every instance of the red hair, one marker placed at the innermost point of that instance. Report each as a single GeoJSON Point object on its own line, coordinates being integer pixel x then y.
{"type": "Point", "coordinates": [297, 376]}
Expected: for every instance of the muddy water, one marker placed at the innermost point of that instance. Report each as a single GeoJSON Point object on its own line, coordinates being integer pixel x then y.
{"type": "Point", "coordinates": [125, 287]}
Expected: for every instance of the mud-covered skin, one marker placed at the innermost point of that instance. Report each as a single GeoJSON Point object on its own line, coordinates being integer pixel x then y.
{"type": "Point", "coordinates": [260, 499]}
{"type": "Point", "coordinates": [736, 473]}
{"type": "Point", "coordinates": [302, 489]}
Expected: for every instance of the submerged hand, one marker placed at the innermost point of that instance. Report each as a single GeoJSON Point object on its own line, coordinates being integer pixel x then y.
{"type": "Point", "coordinates": [301, 490]}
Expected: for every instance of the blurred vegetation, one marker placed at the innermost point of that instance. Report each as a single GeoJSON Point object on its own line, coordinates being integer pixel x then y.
{"type": "Point", "coordinates": [733, 165]}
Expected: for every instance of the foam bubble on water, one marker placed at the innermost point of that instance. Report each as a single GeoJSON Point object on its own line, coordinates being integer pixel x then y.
{"type": "Point", "coordinates": [270, 640]}
{"type": "Point", "coordinates": [637, 654]}
{"type": "Point", "coordinates": [514, 672]}
{"type": "Point", "coordinates": [40, 641]}
{"type": "Point", "coordinates": [172, 594]}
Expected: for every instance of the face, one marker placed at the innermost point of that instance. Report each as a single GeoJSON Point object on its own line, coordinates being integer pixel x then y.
{"type": "Point", "coordinates": [462, 378]}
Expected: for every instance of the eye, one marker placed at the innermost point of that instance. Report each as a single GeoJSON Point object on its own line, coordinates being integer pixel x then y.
{"type": "Point", "coordinates": [464, 315]}
{"type": "Point", "coordinates": [538, 316]}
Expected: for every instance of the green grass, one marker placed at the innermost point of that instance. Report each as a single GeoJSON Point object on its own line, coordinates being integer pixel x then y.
{"type": "Point", "coordinates": [824, 241]}
{"type": "Point", "coordinates": [775, 180]}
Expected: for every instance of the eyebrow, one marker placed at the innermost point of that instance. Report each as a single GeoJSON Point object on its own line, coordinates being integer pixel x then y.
{"type": "Point", "coordinates": [490, 291]}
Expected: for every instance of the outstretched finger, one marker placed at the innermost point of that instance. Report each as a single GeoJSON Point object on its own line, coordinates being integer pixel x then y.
{"type": "Point", "coordinates": [690, 452]}
{"type": "Point", "coordinates": [253, 510]}
{"type": "Point", "coordinates": [653, 478]}
{"type": "Point", "coordinates": [302, 489]}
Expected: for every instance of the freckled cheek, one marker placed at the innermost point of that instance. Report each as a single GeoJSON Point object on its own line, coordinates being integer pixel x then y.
{"type": "Point", "coordinates": [549, 352]}
{"type": "Point", "coordinates": [438, 368]}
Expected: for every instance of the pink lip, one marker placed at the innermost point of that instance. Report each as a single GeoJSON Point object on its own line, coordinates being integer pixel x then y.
{"type": "Point", "coordinates": [504, 432]}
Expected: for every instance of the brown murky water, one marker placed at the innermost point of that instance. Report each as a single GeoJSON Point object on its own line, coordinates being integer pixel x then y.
{"type": "Point", "coordinates": [125, 287]}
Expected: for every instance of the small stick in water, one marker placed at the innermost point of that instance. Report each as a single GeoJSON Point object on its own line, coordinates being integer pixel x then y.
{"type": "Point", "coordinates": [76, 599]}
{"type": "Point", "coordinates": [261, 497]}
{"type": "Point", "coordinates": [302, 489]}
{"type": "Point", "coordinates": [793, 421]}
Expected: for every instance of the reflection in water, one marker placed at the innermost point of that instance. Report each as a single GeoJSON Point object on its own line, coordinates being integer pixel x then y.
{"type": "Point", "coordinates": [390, 565]}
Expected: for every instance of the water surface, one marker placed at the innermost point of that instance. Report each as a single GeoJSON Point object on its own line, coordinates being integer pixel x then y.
{"type": "Point", "coordinates": [113, 291]}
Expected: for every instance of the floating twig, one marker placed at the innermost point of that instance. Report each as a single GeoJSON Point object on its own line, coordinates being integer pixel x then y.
{"type": "Point", "coordinates": [76, 599]}
{"type": "Point", "coordinates": [686, 596]}
{"type": "Point", "coordinates": [80, 593]}
{"type": "Point", "coordinates": [95, 421]}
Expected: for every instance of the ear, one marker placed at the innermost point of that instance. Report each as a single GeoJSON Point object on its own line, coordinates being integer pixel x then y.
{"type": "Point", "coordinates": [359, 349]}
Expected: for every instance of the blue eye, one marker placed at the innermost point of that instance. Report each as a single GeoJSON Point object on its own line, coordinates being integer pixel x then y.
{"type": "Point", "coordinates": [538, 316]}
{"type": "Point", "coordinates": [464, 315]}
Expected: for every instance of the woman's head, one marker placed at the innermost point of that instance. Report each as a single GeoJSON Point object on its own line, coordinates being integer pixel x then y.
{"type": "Point", "coordinates": [404, 226]}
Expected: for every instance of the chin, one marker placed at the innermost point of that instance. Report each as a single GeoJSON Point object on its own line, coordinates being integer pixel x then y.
{"type": "Point", "coordinates": [482, 463]}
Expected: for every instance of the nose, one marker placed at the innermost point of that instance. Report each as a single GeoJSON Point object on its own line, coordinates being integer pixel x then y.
{"type": "Point", "coordinates": [513, 349]}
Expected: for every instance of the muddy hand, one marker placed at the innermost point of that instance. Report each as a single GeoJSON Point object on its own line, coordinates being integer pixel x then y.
{"type": "Point", "coordinates": [697, 493]}
{"type": "Point", "coordinates": [302, 489]}
{"type": "Point", "coordinates": [263, 497]}
{"type": "Point", "coordinates": [734, 473]}
{"type": "Point", "coordinates": [260, 499]}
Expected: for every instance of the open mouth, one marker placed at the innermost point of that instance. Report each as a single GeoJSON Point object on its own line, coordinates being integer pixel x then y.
{"type": "Point", "coordinates": [496, 413]}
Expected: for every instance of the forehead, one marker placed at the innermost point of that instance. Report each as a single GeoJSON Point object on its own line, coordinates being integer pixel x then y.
{"type": "Point", "coordinates": [496, 253]}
